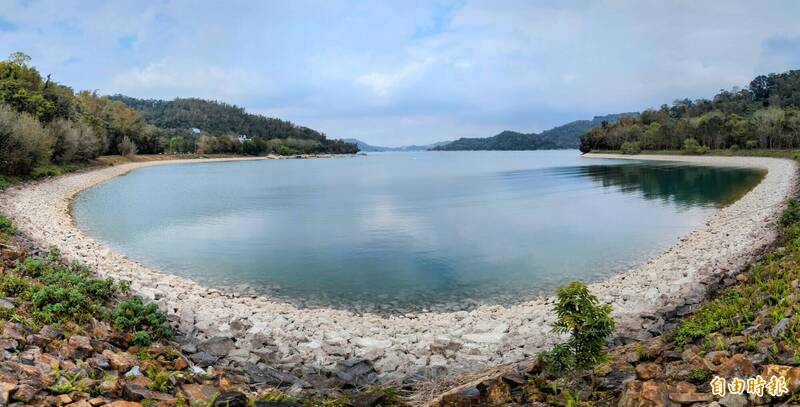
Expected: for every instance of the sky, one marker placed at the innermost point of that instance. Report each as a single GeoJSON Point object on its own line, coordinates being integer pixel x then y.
{"type": "Point", "coordinates": [409, 72]}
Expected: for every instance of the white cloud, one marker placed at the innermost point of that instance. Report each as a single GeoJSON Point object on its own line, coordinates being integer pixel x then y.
{"type": "Point", "coordinates": [169, 79]}
{"type": "Point", "coordinates": [382, 82]}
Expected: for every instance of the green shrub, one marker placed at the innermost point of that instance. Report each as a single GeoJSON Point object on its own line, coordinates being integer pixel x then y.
{"type": "Point", "coordinates": [66, 292]}
{"type": "Point", "coordinates": [11, 286]}
{"type": "Point", "coordinates": [631, 147]}
{"type": "Point", "coordinates": [791, 214]}
{"type": "Point", "coordinates": [142, 338]}
{"type": "Point", "coordinates": [134, 315]}
{"type": "Point", "coordinates": [734, 147]}
{"type": "Point", "coordinates": [160, 380]}
{"type": "Point", "coordinates": [24, 144]}
{"type": "Point", "coordinates": [691, 146]}
{"type": "Point", "coordinates": [588, 323]}
{"type": "Point", "coordinates": [3, 183]}
{"type": "Point", "coordinates": [6, 226]}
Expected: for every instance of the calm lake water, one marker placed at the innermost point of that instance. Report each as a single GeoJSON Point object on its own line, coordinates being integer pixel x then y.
{"type": "Point", "coordinates": [407, 231]}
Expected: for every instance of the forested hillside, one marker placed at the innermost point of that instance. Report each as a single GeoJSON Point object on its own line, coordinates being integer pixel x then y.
{"type": "Point", "coordinates": [562, 137]}
{"type": "Point", "coordinates": [43, 123]}
{"type": "Point", "coordinates": [765, 115]}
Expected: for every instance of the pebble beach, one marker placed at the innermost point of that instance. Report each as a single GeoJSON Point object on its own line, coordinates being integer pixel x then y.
{"type": "Point", "coordinates": [268, 330]}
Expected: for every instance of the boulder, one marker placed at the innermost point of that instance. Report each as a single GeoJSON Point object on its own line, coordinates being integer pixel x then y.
{"type": "Point", "coordinates": [217, 346]}
{"type": "Point", "coordinates": [737, 366]}
{"type": "Point", "coordinates": [198, 394]}
{"type": "Point", "coordinates": [231, 399]}
{"type": "Point", "coordinates": [686, 393]}
{"type": "Point", "coordinates": [121, 362]}
{"type": "Point", "coordinates": [78, 347]}
{"type": "Point", "coordinates": [648, 370]}
{"type": "Point", "coordinates": [24, 393]}
{"type": "Point", "coordinates": [356, 372]}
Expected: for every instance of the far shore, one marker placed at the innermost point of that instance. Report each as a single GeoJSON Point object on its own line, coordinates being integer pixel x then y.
{"type": "Point", "coordinates": [643, 298]}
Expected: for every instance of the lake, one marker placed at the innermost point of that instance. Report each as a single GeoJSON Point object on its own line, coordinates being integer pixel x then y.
{"type": "Point", "coordinates": [405, 231]}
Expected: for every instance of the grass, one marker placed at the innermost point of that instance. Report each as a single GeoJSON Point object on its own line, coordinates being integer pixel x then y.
{"type": "Point", "coordinates": [767, 296]}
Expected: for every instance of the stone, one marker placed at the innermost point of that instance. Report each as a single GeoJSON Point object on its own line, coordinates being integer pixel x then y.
{"type": "Point", "coordinates": [356, 372]}
{"type": "Point", "coordinates": [737, 366]}
{"type": "Point", "coordinates": [655, 393]}
{"type": "Point", "coordinates": [5, 392]}
{"type": "Point", "coordinates": [716, 357]}
{"type": "Point", "coordinates": [137, 392]}
{"type": "Point", "coordinates": [121, 403]}
{"type": "Point", "coordinates": [7, 303]}
{"type": "Point", "coordinates": [494, 391]}
{"type": "Point", "coordinates": [618, 373]}
{"type": "Point", "coordinates": [109, 386]}
{"type": "Point", "coordinates": [135, 371]}
{"type": "Point", "coordinates": [231, 399]}
{"type": "Point", "coordinates": [734, 400]}
{"type": "Point", "coordinates": [217, 346]}
{"type": "Point", "coordinates": [180, 363]}
{"type": "Point", "coordinates": [80, 403]}
{"type": "Point", "coordinates": [51, 332]}
{"type": "Point", "coordinates": [97, 401]}
{"type": "Point", "coordinates": [780, 328]}
{"type": "Point", "coordinates": [648, 370]}
{"type": "Point", "coordinates": [24, 393]}
{"type": "Point", "coordinates": [686, 393]}
{"type": "Point", "coordinates": [369, 399]}
{"type": "Point", "coordinates": [121, 362]}
{"type": "Point", "coordinates": [468, 396]}
{"type": "Point", "coordinates": [78, 347]}
{"type": "Point", "coordinates": [203, 359]}
{"type": "Point", "coordinates": [198, 394]}
{"type": "Point", "coordinates": [268, 375]}
{"type": "Point", "coordinates": [14, 332]}
{"type": "Point", "coordinates": [792, 375]}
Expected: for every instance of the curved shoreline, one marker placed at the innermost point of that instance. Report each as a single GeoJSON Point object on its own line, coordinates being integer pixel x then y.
{"type": "Point", "coordinates": [282, 335]}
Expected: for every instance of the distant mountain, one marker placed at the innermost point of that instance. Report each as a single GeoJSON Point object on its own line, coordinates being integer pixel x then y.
{"type": "Point", "coordinates": [362, 146]}
{"type": "Point", "coordinates": [566, 136]}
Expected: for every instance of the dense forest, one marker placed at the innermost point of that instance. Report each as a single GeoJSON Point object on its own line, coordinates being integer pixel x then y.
{"type": "Point", "coordinates": [765, 115]}
{"type": "Point", "coordinates": [220, 124]}
{"type": "Point", "coordinates": [566, 136]}
{"type": "Point", "coordinates": [43, 123]}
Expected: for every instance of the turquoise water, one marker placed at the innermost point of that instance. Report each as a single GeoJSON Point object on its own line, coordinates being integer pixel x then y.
{"type": "Point", "coordinates": [405, 231]}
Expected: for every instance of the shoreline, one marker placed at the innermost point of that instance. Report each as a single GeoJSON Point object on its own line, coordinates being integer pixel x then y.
{"type": "Point", "coordinates": [281, 335]}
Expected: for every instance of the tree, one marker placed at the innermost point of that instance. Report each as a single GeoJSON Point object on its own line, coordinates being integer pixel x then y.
{"type": "Point", "coordinates": [24, 144]}
{"type": "Point", "coordinates": [588, 323]}
{"type": "Point", "coordinates": [127, 147]}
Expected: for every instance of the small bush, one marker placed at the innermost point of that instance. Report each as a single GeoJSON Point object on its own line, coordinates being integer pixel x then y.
{"type": "Point", "coordinates": [3, 183]}
{"type": "Point", "coordinates": [791, 214]}
{"type": "Point", "coordinates": [734, 147]}
{"type": "Point", "coordinates": [631, 147]}
{"type": "Point", "coordinates": [6, 226]}
{"type": "Point", "coordinates": [142, 339]}
{"type": "Point", "coordinates": [127, 147]}
{"type": "Point", "coordinates": [66, 292]}
{"type": "Point", "coordinates": [160, 380]}
{"type": "Point", "coordinates": [24, 144]}
{"type": "Point", "coordinates": [588, 323]}
{"type": "Point", "coordinates": [134, 315]}
{"type": "Point", "coordinates": [691, 146]}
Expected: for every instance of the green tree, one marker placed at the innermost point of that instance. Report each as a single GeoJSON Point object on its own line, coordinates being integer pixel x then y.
{"type": "Point", "coordinates": [588, 323]}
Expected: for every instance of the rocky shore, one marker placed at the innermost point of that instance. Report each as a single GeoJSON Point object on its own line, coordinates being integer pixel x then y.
{"type": "Point", "coordinates": [260, 330]}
